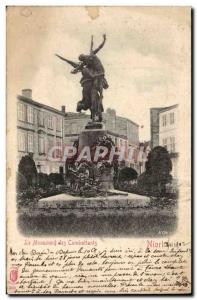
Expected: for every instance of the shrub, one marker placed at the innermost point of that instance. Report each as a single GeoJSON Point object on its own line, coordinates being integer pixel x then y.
{"type": "Point", "coordinates": [21, 182]}
{"type": "Point", "coordinates": [56, 178]}
{"type": "Point", "coordinates": [157, 174]}
{"type": "Point", "coordinates": [127, 174]}
{"type": "Point", "coordinates": [28, 169]}
{"type": "Point", "coordinates": [43, 180]}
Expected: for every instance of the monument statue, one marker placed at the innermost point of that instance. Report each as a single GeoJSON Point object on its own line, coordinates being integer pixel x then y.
{"type": "Point", "coordinates": [91, 175]}
{"type": "Point", "coordinates": [93, 81]}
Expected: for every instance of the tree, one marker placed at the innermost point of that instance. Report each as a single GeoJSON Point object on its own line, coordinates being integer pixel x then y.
{"type": "Point", "coordinates": [28, 169]}
{"type": "Point", "coordinates": [158, 168]}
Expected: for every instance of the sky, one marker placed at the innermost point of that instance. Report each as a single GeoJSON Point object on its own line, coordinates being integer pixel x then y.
{"type": "Point", "coordinates": [146, 56]}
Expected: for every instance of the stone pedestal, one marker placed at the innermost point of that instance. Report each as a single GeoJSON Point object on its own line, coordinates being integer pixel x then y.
{"type": "Point", "coordinates": [107, 180]}
{"type": "Point", "coordinates": [90, 135]}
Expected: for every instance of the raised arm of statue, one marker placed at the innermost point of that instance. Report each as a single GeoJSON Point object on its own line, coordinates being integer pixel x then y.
{"type": "Point", "coordinates": [101, 45]}
{"type": "Point", "coordinates": [91, 44]}
{"type": "Point", "coordinates": [70, 62]}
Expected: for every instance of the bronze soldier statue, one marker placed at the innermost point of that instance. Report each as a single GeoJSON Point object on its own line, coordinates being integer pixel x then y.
{"type": "Point", "coordinates": [93, 81]}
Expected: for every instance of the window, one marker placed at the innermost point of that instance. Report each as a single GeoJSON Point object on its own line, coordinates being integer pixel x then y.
{"type": "Point", "coordinates": [21, 112]}
{"type": "Point", "coordinates": [164, 120]}
{"type": "Point", "coordinates": [67, 127]}
{"type": "Point", "coordinates": [58, 142]}
{"type": "Point", "coordinates": [70, 128]}
{"type": "Point", "coordinates": [30, 142]}
{"type": "Point", "coordinates": [30, 114]}
{"type": "Point", "coordinates": [41, 145]}
{"type": "Point", "coordinates": [61, 170]}
{"type": "Point", "coordinates": [74, 128]}
{"type": "Point", "coordinates": [172, 144]}
{"type": "Point", "coordinates": [22, 141]}
{"type": "Point", "coordinates": [58, 124]}
{"type": "Point", "coordinates": [165, 142]}
{"type": "Point", "coordinates": [50, 142]}
{"type": "Point", "coordinates": [50, 121]}
{"type": "Point", "coordinates": [41, 118]}
{"type": "Point", "coordinates": [58, 152]}
{"type": "Point", "coordinates": [171, 118]}
{"type": "Point", "coordinates": [79, 128]}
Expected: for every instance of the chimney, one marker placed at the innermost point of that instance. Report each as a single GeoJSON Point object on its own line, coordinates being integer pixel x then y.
{"type": "Point", "coordinates": [27, 93]}
{"type": "Point", "coordinates": [63, 109]}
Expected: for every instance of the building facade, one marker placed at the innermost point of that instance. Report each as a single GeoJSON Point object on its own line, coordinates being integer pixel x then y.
{"type": "Point", "coordinates": [41, 127]}
{"type": "Point", "coordinates": [122, 131]}
{"type": "Point", "coordinates": [164, 132]}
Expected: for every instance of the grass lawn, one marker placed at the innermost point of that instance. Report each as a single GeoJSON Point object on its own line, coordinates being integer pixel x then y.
{"type": "Point", "coordinates": [152, 221]}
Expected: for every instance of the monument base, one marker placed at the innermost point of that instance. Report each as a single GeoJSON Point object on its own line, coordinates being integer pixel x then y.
{"type": "Point", "coordinates": [115, 202]}
{"type": "Point", "coordinates": [94, 125]}
{"type": "Point", "coordinates": [94, 131]}
{"type": "Point", "coordinates": [89, 137]}
{"type": "Point", "coordinates": [107, 180]}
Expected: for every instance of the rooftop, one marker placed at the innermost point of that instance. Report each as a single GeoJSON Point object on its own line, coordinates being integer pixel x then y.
{"type": "Point", "coordinates": [162, 109]}
{"type": "Point", "coordinates": [169, 107]}
{"type": "Point", "coordinates": [40, 105]}
{"type": "Point", "coordinates": [69, 115]}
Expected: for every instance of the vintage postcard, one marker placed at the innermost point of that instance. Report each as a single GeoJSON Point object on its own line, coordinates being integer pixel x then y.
{"type": "Point", "coordinates": [98, 150]}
